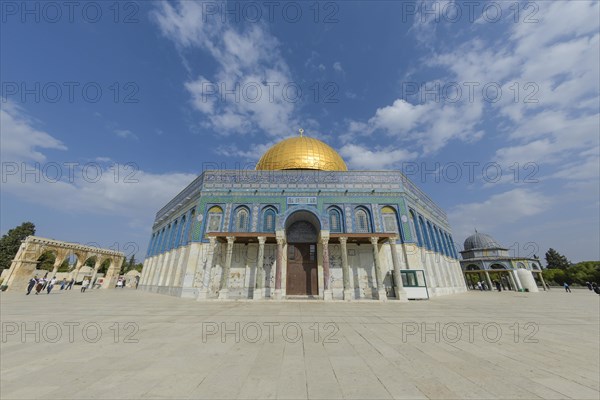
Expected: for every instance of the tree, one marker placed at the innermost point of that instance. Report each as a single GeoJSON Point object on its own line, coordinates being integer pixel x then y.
{"type": "Point", "coordinates": [555, 260]}
{"type": "Point", "coordinates": [128, 265]}
{"type": "Point", "coordinates": [46, 261]}
{"type": "Point", "coordinates": [10, 243]}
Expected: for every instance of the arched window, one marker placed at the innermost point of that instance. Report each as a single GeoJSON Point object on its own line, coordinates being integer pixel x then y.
{"type": "Point", "coordinates": [424, 233]}
{"type": "Point", "coordinates": [157, 247]}
{"type": "Point", "coordinates": [173, 235]}
{"type": "Point", "coordinates": [190, 226]}
{"type": "Point", "coordinates": [453, 246]}
{"type": "Point", "coordinates": [180, 233]}
{"type": "Point", "coordinates": [390, 221]}
{"type": "Point", "coordinates": [434, 242]}
{"type": "Point", "coordinates": [335, 220]}
{"type": "Point", "coordinates": [166, 239]}
{"type": "Point", "coordinates": [214, 219]}
{"type": "Point", "coordinates": [362, 220]}
{"type": "Point", "coordinates": [415, 224]}
{"type": "Point", "coordinates": [440, 239]}
{"type": "Point", "coordinates": [242, 217]}
{"type": "Point", "coordinates": [150, 245]}
{"type": "Point", "coordinates": [450, 245]}
{"type": "Point", "coordinates": [268, 220]}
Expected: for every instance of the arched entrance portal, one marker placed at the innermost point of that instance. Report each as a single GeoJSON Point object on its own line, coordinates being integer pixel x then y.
{"type": "Point", "coordinates": [302, 231]}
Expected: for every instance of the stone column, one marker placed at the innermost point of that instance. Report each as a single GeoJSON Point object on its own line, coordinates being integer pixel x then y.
{"type": "Point", "coordinates": [75, 272]}
{"type": "Point", "coordinates": [224, 290]}
{"type": "Point", "coordinates": [543, 281]}
{"type": "Point", "coordinates": [57, 262]}
{"type": "Point", "coordinates": [512, 281]}
{"type": "Point", "coordinates": [345, 269]}
{"type": "Point", "coordinates": [399, 287]}
{"type": "Point", "coordinates": [516, 279]}
{"type": "Point", "coordinates": [260, 277]}
{"type": "Point", "coordinates": [278, 268]}
{"type": "Point", "coordinates": [96, 268]}
{"type": "Point", "coordinates": [205, 289]}
{"type": "Point", "coordinates": [380, 288]}
{"type": "Point", "coordinates": [327, 294]}
{"type": "Point", "coordinates": [488, 280]}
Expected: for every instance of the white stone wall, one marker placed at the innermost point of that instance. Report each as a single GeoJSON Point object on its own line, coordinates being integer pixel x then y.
{"type": "Point", "coordinates": [180, 272]}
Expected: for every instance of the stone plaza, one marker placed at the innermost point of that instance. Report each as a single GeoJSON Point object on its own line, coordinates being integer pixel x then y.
{"type": "Point", "coordinates": [128, 344]}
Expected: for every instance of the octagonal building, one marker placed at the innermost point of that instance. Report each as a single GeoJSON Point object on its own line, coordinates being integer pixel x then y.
{"type": "Point", "coordinates": [301, 225]}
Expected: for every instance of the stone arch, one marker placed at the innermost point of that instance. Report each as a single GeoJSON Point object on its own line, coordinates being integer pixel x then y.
{"type": "Point", "coordinates": [24, 264]}
{"type": "Point", "coordinates": [323, 223]}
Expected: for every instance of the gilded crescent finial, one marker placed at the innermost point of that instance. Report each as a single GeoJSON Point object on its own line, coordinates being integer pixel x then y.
{"type": "Point", "coordinates": [301, 131]}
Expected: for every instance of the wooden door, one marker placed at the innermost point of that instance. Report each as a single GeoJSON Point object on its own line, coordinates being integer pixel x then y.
{"type": "Point", "coordinates": [302, 270]}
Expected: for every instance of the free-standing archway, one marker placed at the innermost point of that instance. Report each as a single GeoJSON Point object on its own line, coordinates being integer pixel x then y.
{"type": "Point", "coordinates": [24, 264]}
{"type": "Point", "coordinates": [302, 232]}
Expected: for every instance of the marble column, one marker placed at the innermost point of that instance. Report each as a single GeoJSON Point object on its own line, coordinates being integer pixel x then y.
{"type": "Point", "coordinates": [488, 280]}
{"type": "Point", "coordinates": [278, 268]}
{"type": "Point", "coordinates": [345, 269]}
{"type": "Point", "coordinates": [327, 294]}
{"type": "Point", "coordinates": [224, 289]}
{"type": "Point", "coordinates": [380, 288]}
{"type": "Point", "coordinates": [512, 281]}
{"type": "Point", "coordinates": [260, 277]}
{"type": "Point", "coordinates": [205, 288]}
{"type": "Point", "coordinates": [516, 279]}
{"type": "Point", "coordinates": [399, 287]}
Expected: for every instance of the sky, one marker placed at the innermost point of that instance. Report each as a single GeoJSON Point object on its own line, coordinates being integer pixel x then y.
{"type": "Point", "coordinates": [109, 109]}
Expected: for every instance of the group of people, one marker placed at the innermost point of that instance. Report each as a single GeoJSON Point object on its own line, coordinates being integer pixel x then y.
{"type": "Point", "coordinates": [48, 283]}
{"type": "Point", "coordinates": [593, 286]}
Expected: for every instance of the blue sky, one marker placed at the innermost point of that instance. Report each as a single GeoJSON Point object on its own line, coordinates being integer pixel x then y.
{"type": "Point", "coordinates": [509, 100]}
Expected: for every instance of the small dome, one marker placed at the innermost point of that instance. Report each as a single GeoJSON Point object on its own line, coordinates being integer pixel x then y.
{"type": "Point", "coordinates": [301, 153]}
{"type": "Point", "coordinates": [480, 241]}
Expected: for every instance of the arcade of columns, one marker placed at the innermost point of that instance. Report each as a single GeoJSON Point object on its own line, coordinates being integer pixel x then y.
{"type": "Point", "coordinates": [167, 270]}
{"type": "Point", "coordinates": [24, 264]}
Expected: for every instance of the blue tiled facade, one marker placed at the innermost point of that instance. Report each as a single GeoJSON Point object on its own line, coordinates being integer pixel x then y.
{"type": "Point", "coordinates": [260, 194]}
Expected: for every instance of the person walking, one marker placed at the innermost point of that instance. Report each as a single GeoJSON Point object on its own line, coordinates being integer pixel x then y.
{"type": "Point", "coordinates": [70, 284]}
{"type": "Point", "coordinates": [51, 285]}
{"type": "Point", "coordinates": [567, 288]}
{"type": "Point", "coordinates": [498, 287]}
{"type": "Point", "coordinates": [32, 282]}
{"type": "Point", "coordinates": [63, 284]}
{"type": "Point", "coordinates": [84, 285]}
{"type": "Point", "coordinates": [40, 285]}
{"type": "Point", "coordinates": [479, 286]}
{"type": "Point", "coordinates": [596, 288]}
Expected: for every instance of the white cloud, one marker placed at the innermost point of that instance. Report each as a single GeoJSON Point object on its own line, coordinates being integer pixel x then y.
{"type": "Point", "coordinates": [249, 63]}
{"type": "Point", "coordinates": [337, 66]}
{"type": "Point", "coordinates": [20, 140]}
{"type": "Point", "coordinates": [92, 188]}
{"type": "Point", "coordinates": [359, 157]}
{"type": "Point", "coordinates": [498, 211]}
{"type": "Point", "coordinates": [126, 134]}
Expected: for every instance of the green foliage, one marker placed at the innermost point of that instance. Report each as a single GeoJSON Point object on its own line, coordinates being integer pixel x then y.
{"type": "Point", "coordinates": [103, 269]}
{"type": "Point", "coordinates": [138, 267]}
{"type": "Point", "coordinates": [64, 267]}
{"type": "Point", "coordinates": [556, 260]}
{"type": "Point", "coordinates": [579, 274]}
{"type": "Point", "coordinates": [46, 261]}
{"type": "Point", "coordinates": [10, 243]}
{"type": "Point", "coordinates": [90, 262]}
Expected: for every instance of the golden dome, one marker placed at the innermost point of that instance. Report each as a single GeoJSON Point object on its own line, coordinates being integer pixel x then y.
{"type": "Point", "coordinates": [301, 153]}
